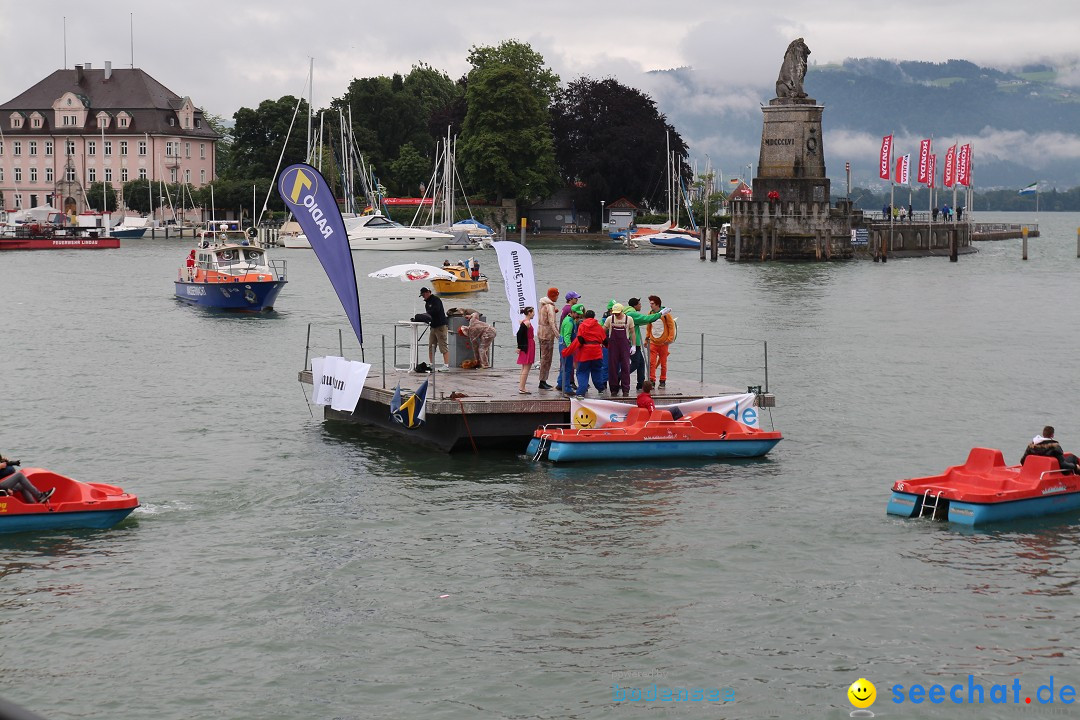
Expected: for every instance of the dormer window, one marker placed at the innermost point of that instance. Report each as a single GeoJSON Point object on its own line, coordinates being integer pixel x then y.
{"type": "Point", "coordinates": [103, 120]}
{"type": "Point", "coordinates": [16, 121]}
{"type": "Point", "coordinates": [122, 121]}
{"type": "Point", "coordinates": [172, 122]}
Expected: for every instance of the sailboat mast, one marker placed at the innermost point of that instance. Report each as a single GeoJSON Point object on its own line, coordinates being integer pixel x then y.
{"type": "Point", "coordinates": [311, 92]}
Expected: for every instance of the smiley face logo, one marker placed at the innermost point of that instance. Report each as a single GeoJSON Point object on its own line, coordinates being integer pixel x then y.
{"type": "Point", "coordinates": [862, 693]}
{"type": "Point", "coordinates": [583, 419]}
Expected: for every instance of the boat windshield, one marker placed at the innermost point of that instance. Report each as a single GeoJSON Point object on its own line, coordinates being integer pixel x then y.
{"type": "Point", "coordinates": [379, 222]}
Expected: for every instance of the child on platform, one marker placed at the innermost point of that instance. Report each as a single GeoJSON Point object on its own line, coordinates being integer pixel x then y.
{"type": "Point", "coordinates": [644, 399]}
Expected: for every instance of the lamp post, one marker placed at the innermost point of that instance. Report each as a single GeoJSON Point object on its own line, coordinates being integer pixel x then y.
{"type": "Point", "coordinates": [601, 216]}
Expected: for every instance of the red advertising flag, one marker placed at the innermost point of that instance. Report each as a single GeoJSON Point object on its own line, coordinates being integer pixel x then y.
{"type": "Point", "coordinates": [924, 161]}
{"type": "Point", "coordinates": [903, 166]}
{"type": "Point", "coordinates": [886, 156]}
{"type": "Point", "coordinates": [931, 170]}
{"type": "Point", "coordinates": [949, 176]}
{"type": "Point", "coordinates": [963, 165]}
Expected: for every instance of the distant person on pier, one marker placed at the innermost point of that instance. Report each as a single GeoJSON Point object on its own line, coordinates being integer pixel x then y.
{"type": "Point", "coordinates": [12, 480]}
{"type": "Point", "coordinates": [959, 214]}
{"type": "Point", "coordinates": [1047, 446]}
{"type": "Point", "coordinates": [547, 332]}
{"type": "Point", "coordinates": [440, 326]}
{"type": "Point", "coordinates": [886, 213]}
{"type": "Point", "coordinates": [910, 214]}
{"type": "Point", "coordinates": [587, 349]}
{"type": "Point", "coordinates": [571, 299]}
{"type": "Point", "coordinates": [526, 346]}
{"type": "Point", "coordinates": [934, 213]}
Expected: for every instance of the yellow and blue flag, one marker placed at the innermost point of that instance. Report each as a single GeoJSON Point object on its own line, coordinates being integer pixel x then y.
{"type": "Point", "coordinates": [413, 412]}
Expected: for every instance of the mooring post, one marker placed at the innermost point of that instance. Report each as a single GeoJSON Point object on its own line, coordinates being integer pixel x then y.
{"type": "Point", "coordinates": [738, 242]}
{"type": "Point", "coordinates": [1078, 242]}
{"type": "Point", "coordinates": [766, 343]}
{"type": "Point", "coordinates": [1024, 234]}
{"type": "Point", "coordinates": [384, 361]}
{"type": "Point", "coordinates": [702, 357]}
{"type": "Point", "coordinates": [340, 343]}
{"type": "Point", "coordinates": [954, 242]}
{"type": "Point", "coordinates": [715, 240]}
{"type": "Point", "coordinates": [701, 245]}
{"type": "Point", "coordinates": [307, 343]}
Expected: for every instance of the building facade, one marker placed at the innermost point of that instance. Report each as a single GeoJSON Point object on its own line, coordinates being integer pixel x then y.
{"type": "Point", "coordinates": [82, 126]}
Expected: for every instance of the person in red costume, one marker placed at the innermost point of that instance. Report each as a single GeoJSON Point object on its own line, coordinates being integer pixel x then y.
{"type": "Point", "coordinates": [588, 349]}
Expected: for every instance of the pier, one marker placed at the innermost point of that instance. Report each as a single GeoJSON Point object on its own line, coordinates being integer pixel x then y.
{"type": "Point", "coordinates": [475, 409]}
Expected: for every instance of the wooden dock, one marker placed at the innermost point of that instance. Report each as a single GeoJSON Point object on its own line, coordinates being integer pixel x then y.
{"type": "Point", "coordinates": [469, 409]}
{"type": "Point", "coordinates": [1003, 231]}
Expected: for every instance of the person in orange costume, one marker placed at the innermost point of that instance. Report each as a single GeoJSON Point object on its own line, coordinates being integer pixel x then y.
{"type": "Point", "coordinates": [659, 347]}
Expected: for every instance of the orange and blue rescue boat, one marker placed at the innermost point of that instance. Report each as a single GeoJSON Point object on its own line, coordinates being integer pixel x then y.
{"type": "Point", "coordinates": [74, 505]}
{"type": "Point", "coordinates": [653, 435]}
{"type": "Point", "coordinates": [226, 272]}
{"type": "Point", "coordinates": [986, 490]}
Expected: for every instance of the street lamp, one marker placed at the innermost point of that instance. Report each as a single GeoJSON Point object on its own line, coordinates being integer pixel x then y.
{"type": "Point", "coordinates": [601, 216]}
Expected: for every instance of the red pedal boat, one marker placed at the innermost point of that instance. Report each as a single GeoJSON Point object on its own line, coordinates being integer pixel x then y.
{"type": "Point", "coordinates": [74, 505]}
{"type": "Point", "coordinates": [984, 489]}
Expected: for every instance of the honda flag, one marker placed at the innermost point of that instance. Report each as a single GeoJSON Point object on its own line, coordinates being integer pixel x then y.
{"type": "Point", "coordinates": [949, 174]}
{"type": "Point", "coordinates": [886, 156]}
{"type": "Point", "coordinates": [925, 174]}
{"type": "Point", "coordinates": [903, 166]}
{"type": "Point", "coordinates": [963, 165]}
{"type": "Point", "coordinates": [931, 170]}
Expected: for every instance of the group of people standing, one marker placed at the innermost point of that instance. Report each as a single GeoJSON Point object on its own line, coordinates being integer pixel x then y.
{"type": "Point", "coordinates": [605, 351]}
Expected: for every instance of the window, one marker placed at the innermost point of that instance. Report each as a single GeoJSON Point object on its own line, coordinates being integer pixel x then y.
{"type": "Point", "coordinates": [168, 149]}
{"type": "Point", "coordinates": [123, 174]}
{"type": "Point", "coordinates": [187, 149]}
{"type": "Point", "coordinates": [33, 200]}
{"type": "Point", "coordinates": [69, 173]}
{"type": "Point", "coordinates": [74, 119]}
{"type": "Point", "coordinates": [123, 147]}
{"type": "Point", "coordinates": [67, 119]}
{"type": "Point", "coordinates": [91, 175]}
{"type": "Point", "coordinates": [122, 121]}
{"type": "Point", "coordinates": [142, 173]}
{"type": "Point", "coordinates": [33, 174]}
{"type": "Point", "coordinates": [1, 147]}
{"type": "Point", "coordinates": [16, 120]}
{"type": "Point", "coordinates": [69, 147]}
{"type": "Point", "coordinates": [49, 148]}
{"type": "Point", "coordinates": [108, 147]}
{"type": "Point", "coordinates": [16, 148]}
{"type": "Point", "coordinates": [32, 147]}
{"type": "Point", "coordinates": [202, 151]}
{"type": "Point", "coordinates": [18, 174]}
{"type": "Point", "coordinates": [37, 122]}
{"type": "Point", "coordinates": [187, 122]}
{"type": "Point", "coordinates": [142, 147]}
{"type": "Point", "coordinates": [172, 122]}
{"type": "Point", "coordinates": [91, 147]}
{"type": "Point", "coordinates": [198, 123]}
{"type": "Point", "coordinates": [1, 174]}
{"type": "Point", "coordinates": [187, 176]}
{"type": "Point", "coordinates": [18, 200]}
{"type": "Point", "coordinates": [49, 177]}
{"type": "Point", "coordinates": [202, 177]}
{"type": "Point", "coordinates": [172, 174]}
{"type": "Point", "coordinates": [108, 174]}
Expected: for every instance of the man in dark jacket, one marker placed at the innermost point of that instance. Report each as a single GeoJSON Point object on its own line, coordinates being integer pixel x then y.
{"type": "Point", "coordinates": [1046, 445]}
{"type": "Point", "coordinates": [440, 327]}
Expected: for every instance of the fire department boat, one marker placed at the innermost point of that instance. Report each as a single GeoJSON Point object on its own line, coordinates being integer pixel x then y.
{"type": "Point", "coordinates": [74, 505]}
{"type": "Point", "coordinates": [229, 273]}
{"type": "Point", "coordinates": [984, 490]}
{"type": "Point", "coordinates": [655, 435]}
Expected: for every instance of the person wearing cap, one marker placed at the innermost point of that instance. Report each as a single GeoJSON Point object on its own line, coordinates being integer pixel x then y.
{"type": "Point", "coordinates": [660, 346]}
{"type": "Point", "coordinates": [586, 349]}
{"type": "Point", "coordinates": [567, 333]}
{"type": "Point", "coordinates": [571, 299]}
{"type": "Point", "coordinates": [440, 327]}
{"type": "Point", "coordinates": [620, 338]}
{"type": "Point", "coordinates": [548, 331]}
{"type": "Point", "coordinates": [604, 363]}
{"type": "Point", "coordinates": [637, 358]}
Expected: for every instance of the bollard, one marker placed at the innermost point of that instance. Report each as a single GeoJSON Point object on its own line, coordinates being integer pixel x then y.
{"type": "Point", "coordinates": [1024, 234]}
{"type": "Point", "coordinates": [1078, 242]}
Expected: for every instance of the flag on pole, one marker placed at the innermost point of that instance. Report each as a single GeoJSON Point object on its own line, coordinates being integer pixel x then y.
{"type": "Point", "coordinates": [931, 169]}
{"type": "Point", "coordinates": [1030, 189]}
{"type": "Point", "coordinates": [949, 174]}
{"type": "Point", "coordinates": [963, 165]}
{"type": "Point", "coordinates": [886, 157]}
{"type": "Point", "coordinates": [924, 161]}
{"type": "Point", "coordinates": [413, 412]}
{"type": "Point", "coordinates": [903, 166]}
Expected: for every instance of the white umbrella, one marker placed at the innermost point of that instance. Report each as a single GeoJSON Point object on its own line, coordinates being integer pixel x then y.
{"type": "Point", "coordinates": [413, 271]}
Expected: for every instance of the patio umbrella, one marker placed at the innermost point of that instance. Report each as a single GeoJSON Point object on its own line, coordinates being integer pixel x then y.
{"type": "Point", "coordinates": [413, 271]}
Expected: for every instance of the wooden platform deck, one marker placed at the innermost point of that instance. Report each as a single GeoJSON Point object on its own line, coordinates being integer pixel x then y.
{"type": "Point", "coordinates": [483, 407]}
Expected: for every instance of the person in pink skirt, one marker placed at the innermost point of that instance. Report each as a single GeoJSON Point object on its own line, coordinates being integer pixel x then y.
{"type": "Point", "coordinates": [526, 348]}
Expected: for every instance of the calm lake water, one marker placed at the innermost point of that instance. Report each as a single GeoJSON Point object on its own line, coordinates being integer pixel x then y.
{"type": "Point", "coordinates": [281, 567]}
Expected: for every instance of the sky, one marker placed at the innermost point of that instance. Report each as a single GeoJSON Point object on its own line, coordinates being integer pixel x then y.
{"type": "Point", "coordinates": [236, 54]}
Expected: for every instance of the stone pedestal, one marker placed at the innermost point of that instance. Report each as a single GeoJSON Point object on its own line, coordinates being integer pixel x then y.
{"type": "Point", "coordinates": [792, 159]}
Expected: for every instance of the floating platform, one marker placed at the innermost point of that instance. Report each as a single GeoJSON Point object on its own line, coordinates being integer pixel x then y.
{"type": "Point", "coordinates": [483, 409]}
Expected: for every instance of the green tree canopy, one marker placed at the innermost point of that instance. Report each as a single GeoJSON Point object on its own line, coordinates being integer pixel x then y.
{"type": "Point", "coordinates": [96, 195]}
{"type": "Point", "coordinates": [541, 80]}
{"type": "Point", "coordinates": [611, 142]}
{"type": "Point", "coordinates": [409, 171]}
{"type": "Point", "coordinates": [259, 136]}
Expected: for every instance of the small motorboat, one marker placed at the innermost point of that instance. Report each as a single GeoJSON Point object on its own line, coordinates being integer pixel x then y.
{"type": "Point", "coordinates": [984, 490]}
{"type": "Point", "coordinates": [463, 283]}
{"type": "Point", "coordinates": [229, 273]}
{"type": "Point", "coordinates": [74, 505]}
{"type": "Point", "coordinates": [655, 435]}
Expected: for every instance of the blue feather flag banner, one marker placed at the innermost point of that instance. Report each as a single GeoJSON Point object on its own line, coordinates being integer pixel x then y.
{"type": "Point", "coordinates": [307, 194]}
{"type": "Point", "coordinates": [413, 412]}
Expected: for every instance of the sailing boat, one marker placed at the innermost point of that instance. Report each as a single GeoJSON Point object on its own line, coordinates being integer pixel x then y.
{"type": "Point", "coordinates": [469, 233]}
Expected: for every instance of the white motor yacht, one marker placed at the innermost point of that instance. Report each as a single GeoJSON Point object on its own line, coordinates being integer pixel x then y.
{"type": "Point", "coordinates": [378, 232]}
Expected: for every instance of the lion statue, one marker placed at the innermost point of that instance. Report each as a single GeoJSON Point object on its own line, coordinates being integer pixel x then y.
{"type": "Point", "coordinates": [792, 72]}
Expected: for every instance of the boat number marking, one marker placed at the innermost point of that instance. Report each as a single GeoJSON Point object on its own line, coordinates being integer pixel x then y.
{"type": "Point", "coordinates": [193, 290]}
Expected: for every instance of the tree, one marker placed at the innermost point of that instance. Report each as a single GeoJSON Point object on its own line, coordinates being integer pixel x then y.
{"type": "Point", "coordinates": [611, 142]}
{"type": "Point", "coordinates": [409, 171]}
{"type": "Point", "coordinates": [96, 195]}
{"type": "Point", "coordinates": [506, 148]}
{"type": "Point", "coordinates": [260, 134]}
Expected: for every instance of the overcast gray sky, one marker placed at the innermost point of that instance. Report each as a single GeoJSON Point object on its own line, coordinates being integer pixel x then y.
{"type": "Point", "coordinates": [227, 55]}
